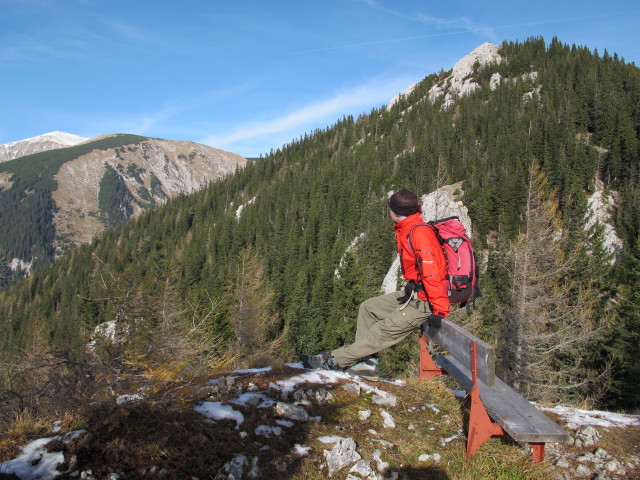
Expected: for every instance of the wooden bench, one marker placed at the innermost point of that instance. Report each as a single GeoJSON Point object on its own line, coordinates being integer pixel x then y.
{"type": "Point", "coordinates": [495, 408]}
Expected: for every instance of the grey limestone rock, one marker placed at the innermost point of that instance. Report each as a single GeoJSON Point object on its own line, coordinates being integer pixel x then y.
{"type": "Point", "coordinates": [292, 412]}
{"type": "Point", "coordinates": [587, 436]}
{"type": "Point", "coordinates": [384, 399]}
{"type": "Point", "coordinates": [342, 454]}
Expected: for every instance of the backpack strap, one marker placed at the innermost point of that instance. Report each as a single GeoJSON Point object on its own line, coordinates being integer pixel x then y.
{"type": "Point", "coordinates": [415, 256]}
{"type": "Point", "coordinates": [420, 225]}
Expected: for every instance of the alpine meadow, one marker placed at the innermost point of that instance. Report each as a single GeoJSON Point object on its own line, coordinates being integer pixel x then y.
{"type": "Point", "coordinates": [262, 265]}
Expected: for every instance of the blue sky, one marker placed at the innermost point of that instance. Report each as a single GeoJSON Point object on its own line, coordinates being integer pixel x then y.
{"type": "Point", "coordinates": [251, 75]}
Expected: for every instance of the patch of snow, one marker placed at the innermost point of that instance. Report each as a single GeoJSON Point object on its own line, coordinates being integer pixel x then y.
{"type": "Point", "coordinates": [285, 423]}
{"type": "Point", "coordinates": [218, 411]}
{"type": "Point", "coordinates": [34, 463]}
{"type": "Point", "coordinates": [427, 457]}
{"type": "Point", "coordinates": [122, 399]}
{"type": "Point", "coordinates": [318, 376]}
{"type": "Point", "coordinates": [267, 431]}
{"type": "Point", "coordinates": [260, 400]}
{"type": "Point", "coordinates": [301, 450]}
{"type": "Point", "coordinates": [296, 365]}
{"type": "Point", "coordinates": [252, 370]}
{"type": "Point", "coordinates": [330, 438]}
{"type": "Point", "coordinates": [594, 417]}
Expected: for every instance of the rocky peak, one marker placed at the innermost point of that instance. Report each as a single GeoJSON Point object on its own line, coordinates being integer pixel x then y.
{"type": "Point", "coordinates": [460, 81]}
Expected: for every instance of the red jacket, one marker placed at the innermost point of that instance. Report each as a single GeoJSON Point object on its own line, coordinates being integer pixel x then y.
{"type": "Point", "coordinates": [431, 257]}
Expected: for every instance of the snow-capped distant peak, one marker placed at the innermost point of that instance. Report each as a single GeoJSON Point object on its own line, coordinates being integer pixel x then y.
{"type": "Point", "coordinates": [68, 139]}
{"type": "Point", "coordinates": [40, 143]}
{"type": "Point", "coordinates": [63, 138]}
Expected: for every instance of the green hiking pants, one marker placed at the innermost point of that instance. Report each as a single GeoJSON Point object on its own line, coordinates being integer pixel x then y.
{"type": "Point", "coordinates": [382, 324]}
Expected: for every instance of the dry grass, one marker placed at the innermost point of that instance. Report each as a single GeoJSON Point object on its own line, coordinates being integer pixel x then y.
{"type": "Point", "coordinates": [163, 432]}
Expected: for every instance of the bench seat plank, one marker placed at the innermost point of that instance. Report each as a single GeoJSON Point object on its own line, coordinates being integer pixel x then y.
{"type": "Point", "coordinates": [517, 417]}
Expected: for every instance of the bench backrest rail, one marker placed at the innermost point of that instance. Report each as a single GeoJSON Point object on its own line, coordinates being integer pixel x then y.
{"type": "Point", "coordinates": [457, 341]}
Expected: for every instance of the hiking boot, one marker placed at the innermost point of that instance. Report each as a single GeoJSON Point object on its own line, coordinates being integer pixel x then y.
{"type": "Point", "coordinates": [323, 360]}
{"type": "Point", "coordinates": [367, 369]}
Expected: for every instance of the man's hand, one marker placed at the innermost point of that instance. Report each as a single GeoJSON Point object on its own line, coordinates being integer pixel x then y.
{"type": "Point", "coordinates": [409, 288]}
{"type": "Point", "coordinates": [434, 321]}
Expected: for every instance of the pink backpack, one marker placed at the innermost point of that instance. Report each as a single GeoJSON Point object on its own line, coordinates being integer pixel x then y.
{"type": "Point", "coordinates": [462, 266]}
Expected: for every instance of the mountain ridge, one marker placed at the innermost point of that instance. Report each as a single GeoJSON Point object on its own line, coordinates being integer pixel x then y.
{"type": "Point", "coordinates": [159, 170]}
{"type": "Point", "coordinates": [93, 184]}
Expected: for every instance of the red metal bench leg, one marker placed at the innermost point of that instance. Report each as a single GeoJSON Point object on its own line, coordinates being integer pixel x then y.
{"type": "Point", "coordinates": [428, 368]}
{"type": "Point", "coordinates": [538, 451]}
{"type": "Point", "coordinates": [481, 428]}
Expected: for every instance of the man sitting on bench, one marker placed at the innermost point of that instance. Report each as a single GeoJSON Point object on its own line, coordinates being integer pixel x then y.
{"type": "Point", "coordinates": [385, 320]}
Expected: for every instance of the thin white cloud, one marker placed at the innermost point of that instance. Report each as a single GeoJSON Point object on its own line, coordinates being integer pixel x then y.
{"type": "Point", "coordinates": [461, 23]}
{"type": "Point", "coordinates": [28, 47]}
{"type": "Point", "coordinates": [458, 23]}
{"type": "Point", "coordinates": [380, 42]}
{"type": "Point", "coordinates": [133, 34]}
{"type": "Point", "coordinates": [75, 42]}
{"type": "Point", "coordinates": [308, 117]}
{"type": "Point", "coordinates": [376, 6]}
{"type": "Point", "coordinates": [144, 124]}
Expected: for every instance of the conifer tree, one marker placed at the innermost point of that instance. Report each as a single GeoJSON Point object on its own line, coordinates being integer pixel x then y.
{"type": "Point", "coordinates": [548, 321]}
{"type": "Point", "coordinates": [253, 321]}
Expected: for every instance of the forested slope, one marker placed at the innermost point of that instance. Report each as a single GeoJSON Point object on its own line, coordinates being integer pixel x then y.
{"type": "Point", "coordinates": [27, 207]}
{"type": "Point", "coordinates": [262, 278]}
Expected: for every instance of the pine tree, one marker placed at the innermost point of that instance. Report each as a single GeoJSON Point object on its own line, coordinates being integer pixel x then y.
{"type": "Point", "coordinates": [548, 321]}
{"type": "Point", "coordinates": [253, 321]}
